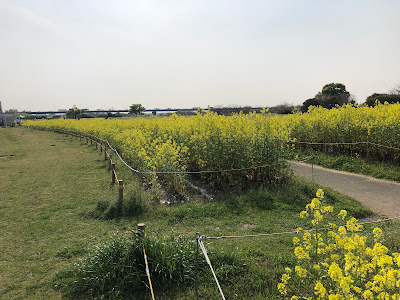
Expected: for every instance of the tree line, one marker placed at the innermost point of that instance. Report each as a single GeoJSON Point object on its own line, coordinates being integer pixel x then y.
{"type": "Point", "coordinates": [334, 94]}
{"type": "Point", "coordinates": [331, 95]}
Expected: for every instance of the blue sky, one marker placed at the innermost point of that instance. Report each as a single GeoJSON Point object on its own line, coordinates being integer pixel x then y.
{"type": "Point", "coordinates": [110, 54]}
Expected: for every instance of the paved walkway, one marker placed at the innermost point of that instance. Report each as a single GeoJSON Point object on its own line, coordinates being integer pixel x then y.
{"type": "Point", "coordinates": [381, 196]}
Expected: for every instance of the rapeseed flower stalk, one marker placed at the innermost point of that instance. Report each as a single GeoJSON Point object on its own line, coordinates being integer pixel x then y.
{"type": "Point", "coordinates": [336, 262]}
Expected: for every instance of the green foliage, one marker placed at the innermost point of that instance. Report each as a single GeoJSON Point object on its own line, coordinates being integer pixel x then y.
{"type": "Point", "coordinates": [382, 98]}
{"type": "Point", "coordinates": [74, 113]}
{"type": "Point", "coordinates": [136, 109]}
{"type": "Point", "coordinates": [332, 94]}
{"type": "Point", "coordinates": [282, 109]}
{"type": "Point", "coordinates": [308, 103]}
{"type": "Point", "coordinates": [116, 269]}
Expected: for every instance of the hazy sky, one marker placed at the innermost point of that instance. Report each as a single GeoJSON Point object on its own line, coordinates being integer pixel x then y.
{"type": "Point", "coordinates": [110, 54]}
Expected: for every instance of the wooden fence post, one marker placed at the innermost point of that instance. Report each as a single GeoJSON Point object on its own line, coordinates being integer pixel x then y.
{"type": "Point", "coordinates": [112, 173]}
{"type": "Point", "coordinates": [110, 163]}
{"type": "Point", "coordinates": [120, 194]}
{"type": "Point", "coordinates": [141, 228]}
{"type": "Point", "coordinates": [105, 153]}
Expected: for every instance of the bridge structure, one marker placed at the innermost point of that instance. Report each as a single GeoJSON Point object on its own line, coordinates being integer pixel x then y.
{"type": "Point", "coordinates": [166, 110]}
{"type": "Point", "coordinates": [222, 110]}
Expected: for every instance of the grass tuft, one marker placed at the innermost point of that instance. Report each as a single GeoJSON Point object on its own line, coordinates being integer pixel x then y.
{"type": "Point", "coordinates": [116, 269]}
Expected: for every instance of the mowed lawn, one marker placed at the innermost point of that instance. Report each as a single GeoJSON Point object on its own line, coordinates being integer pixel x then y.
{"type": "Point", "coordinates": [47, 183]}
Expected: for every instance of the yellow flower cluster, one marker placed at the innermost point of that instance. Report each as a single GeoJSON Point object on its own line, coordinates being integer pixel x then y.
{"type": "Point", "coordinates": [335, 262]}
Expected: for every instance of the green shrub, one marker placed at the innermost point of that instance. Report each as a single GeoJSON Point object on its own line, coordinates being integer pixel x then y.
{"type": "Point", "coordinates": [117, 270]}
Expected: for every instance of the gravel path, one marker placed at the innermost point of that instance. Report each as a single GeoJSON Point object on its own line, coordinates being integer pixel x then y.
{"type": "Point", "coordinates": [381, 196]}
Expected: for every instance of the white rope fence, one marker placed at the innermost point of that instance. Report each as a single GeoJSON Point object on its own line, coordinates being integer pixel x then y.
{"type": "Point", "coordinates": [203, 249]}
{"type": "Point", "coordinates": [345, 143]}
{"type": "Point", "coordinates": [290, 232]}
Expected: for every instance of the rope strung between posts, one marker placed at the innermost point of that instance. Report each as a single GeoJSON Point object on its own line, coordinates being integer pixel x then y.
{"type": "Point", "coordinates": [146, 263]}
{"type": "Point", "coordinates": [148, 271]}
{"type": "Point", "coordinates": [345, 143]}
{"type": "Point", "coordinates": [305, 159]}
{"type": "Point", "coordinates": [388, 147]}
{"type": "Point", "coordinates": [323, 143]}
{"type": "Point", "coordinates": [289, 232]}
{"type": "Point", "coordinates": [203, 249]}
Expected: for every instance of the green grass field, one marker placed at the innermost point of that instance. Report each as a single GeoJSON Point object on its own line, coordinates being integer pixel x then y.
{"type": "Point", "coordinates": [50, 184]}
{"type": "Point", "coordinates": [46, 185]}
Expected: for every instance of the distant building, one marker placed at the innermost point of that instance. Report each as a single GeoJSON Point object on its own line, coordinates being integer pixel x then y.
{"type": "Point", "coordinates": [7, 120]}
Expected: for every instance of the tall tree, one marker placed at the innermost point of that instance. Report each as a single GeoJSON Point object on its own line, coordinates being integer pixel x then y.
{"type": "Point", "coordinates": [136, 109]}
{"type": "Point", "coordinates": [332, 94]}
{"type": "Point", "coordinates": [74, 112]}
{"type": "Point", "coordinates": [382, 98]}
{"type": "Point", "coordinates": [308, 103]}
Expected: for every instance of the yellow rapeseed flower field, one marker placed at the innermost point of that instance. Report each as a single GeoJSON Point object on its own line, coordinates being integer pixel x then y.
{"type": "Point", "coordinates": [209, 141]}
